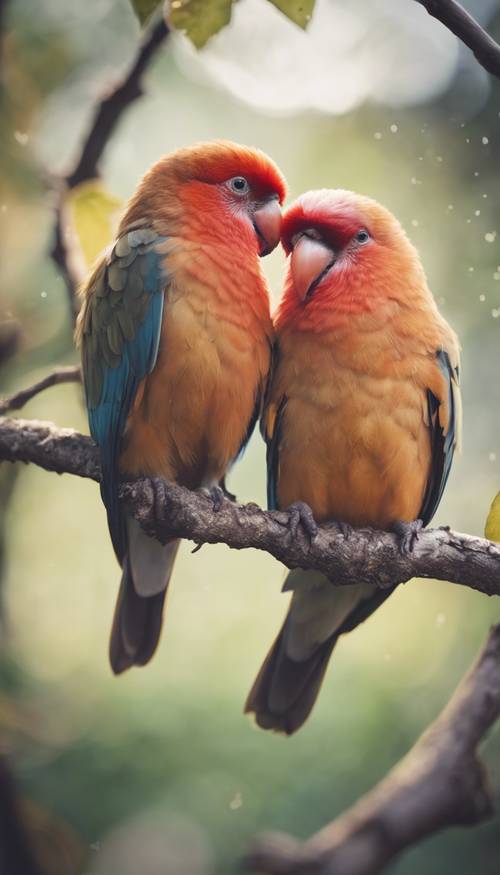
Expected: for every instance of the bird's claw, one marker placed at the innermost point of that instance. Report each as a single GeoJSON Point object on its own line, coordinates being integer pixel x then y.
{"type": "Point", "coordinates": [159, 493]}
{"type": "Point", "coordinates": [407, 534]}
{"type": "Point", "coordinates": [300, 513]}
{"type": "Point", "coordinates": [217, 496]}
{"type": "Point", "coordinates": [345, 529]}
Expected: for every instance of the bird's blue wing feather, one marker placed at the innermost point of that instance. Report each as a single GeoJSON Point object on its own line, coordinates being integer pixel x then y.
{"type": "Point", "coordinates": [120, 340]}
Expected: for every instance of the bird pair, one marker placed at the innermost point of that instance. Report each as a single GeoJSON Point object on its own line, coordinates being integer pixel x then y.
{"type": "Point", "coordinates": [355, 384]}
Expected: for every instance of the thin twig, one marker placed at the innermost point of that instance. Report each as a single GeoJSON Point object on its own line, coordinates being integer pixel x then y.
{"type": "Point", "coordinates": [114, 104]}
{"type": "Point", "coordinates": [468, 30]}
{"type": "Point", "coordinates": [440, 783]}
{"type": "Point", "coordinates": [62, 255]}
{"type": "Point", "coordinates": [366, 555]}
{"type": "Point", "coordinates": [3, 15]}
{"type": "Point", "coordinates": [106, 117]}
{"type": "Point", "coordinates": [70, 374]}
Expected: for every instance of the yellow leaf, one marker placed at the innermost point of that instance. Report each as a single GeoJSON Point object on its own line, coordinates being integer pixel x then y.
{"type": "Point", "coordinates": [492, 528]}
{"type": "Point", "coordinates": [93, 210]}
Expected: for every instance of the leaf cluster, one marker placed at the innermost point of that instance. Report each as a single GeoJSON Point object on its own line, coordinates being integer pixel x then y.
{"type": "Point", "coordinates": [201, 19]}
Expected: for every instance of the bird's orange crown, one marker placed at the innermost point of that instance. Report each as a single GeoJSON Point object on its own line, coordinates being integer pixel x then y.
{"type": "Point", "coordinates": [216, 161]}
{"type": "Point", "coordinates": [189, 192]}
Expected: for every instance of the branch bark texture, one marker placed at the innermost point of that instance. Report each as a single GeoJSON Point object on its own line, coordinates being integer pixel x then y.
{"type": "Point", "coordinates": [364, 556]}
{"type": "Point", "coordinates": [440, 783]}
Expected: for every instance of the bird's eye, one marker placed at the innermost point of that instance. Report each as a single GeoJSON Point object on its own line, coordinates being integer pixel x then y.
{"type": "Point", "coordinates": [362, 236]}
{"type": "Point", "coordinates": [239, 185]}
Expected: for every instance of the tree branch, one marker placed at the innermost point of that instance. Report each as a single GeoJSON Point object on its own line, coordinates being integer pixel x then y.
{"type": "Point", "coordinates": [70, 374]}
{"type": "Point", "coordinates": [366, 555]}
{"type": "Point", "coordinates": [468, 30]}
{"type": "Point", "coordinates": [113, 105]}
{"type": "Point", "coordinates": [105, 119]}
{"type": "Point", "coordinates": [61, 252]}
{"type": "Point", "coordinates": [440, 783]}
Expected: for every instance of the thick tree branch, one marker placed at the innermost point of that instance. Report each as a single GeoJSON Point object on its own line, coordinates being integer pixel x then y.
{"type": "Point", "coordinates": [468, 30]}
{"type": "Point", "coordinates": [70, 374]}
{"type": "Point", "coordinates": [440, 783]}
{"type": "Point", "coordinates": [105, 119]}
{"type": "Point", "coordinates": [365, 556]}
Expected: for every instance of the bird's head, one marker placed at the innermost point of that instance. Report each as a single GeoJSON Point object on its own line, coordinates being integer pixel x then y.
{"type": "Point", "coordinates": [222, 192]}
{"type": "Point", "coordinates": [346, 253]}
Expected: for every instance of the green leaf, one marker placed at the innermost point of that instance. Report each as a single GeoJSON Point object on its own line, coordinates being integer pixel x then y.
{"type": "Point", "coordinates": [492, 528]}
{"type": "Point", "coordinates": [200, 19]}
{"type": "Point", "coordinates": [298, 11]}
{"type": "Point", "coordinates": [144, 8]}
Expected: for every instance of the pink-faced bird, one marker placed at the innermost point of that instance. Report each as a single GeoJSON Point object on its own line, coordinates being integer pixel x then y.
{"type": "Point", "coordinates": [361, 420]}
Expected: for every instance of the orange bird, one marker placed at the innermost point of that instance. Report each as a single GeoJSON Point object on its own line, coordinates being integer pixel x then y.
{"type": "Point", "coordinates": [175, 335]}
{"type": "Point", "coordinates": [362, 418]}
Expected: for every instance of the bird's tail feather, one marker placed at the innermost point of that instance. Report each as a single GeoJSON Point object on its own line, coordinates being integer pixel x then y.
{"type": "Point", "coordinates": [284, 691]}
{"type": "Point", "coordinates": [138, 616]}
{"type": "Point", "coordinates": [290, 679]}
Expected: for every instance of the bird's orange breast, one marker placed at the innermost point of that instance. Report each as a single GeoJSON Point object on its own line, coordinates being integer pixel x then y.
{"type": "Point", "coordinates": [191, 414]}
{"type": "Point", "coordinates": [355, 445]}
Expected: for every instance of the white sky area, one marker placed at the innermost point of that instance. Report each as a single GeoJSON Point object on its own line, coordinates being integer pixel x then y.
{"type": "Point", "coordinates": [386, 51]}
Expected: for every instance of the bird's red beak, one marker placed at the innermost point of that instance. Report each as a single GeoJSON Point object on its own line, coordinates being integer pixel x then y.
{"type": "Point", "coordinates": [310, 261]}
{"type": "Point", "coordinates": [267, 224]}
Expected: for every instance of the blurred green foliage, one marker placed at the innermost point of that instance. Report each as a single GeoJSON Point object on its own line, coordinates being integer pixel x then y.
{"type": "Point", "coordinates": [161, 763]}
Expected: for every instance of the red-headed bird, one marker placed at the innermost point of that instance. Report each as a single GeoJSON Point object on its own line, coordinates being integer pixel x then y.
{"type": "Point", "coordinates": [175, 334]}
{"type": "Point", "coordinates": [362, 417]}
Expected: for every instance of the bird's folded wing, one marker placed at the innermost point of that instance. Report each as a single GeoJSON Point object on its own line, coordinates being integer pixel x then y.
{"type": "Point", "coordinates": [119, 331]}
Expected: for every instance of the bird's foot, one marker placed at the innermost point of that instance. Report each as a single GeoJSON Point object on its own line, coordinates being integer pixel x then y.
{"type": "Point", "coordinates": [217, 496]}
{"type": "Point", "coordinates": [158, 489]}
{"type": "Point", "coordinates": [299, 513]}
{"type": "Point", "coordinates": [345, 529]}
{"type": "Point", "coordinates": [407, 535]}
{"type": "Point", "coordinates": [229, 495]}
